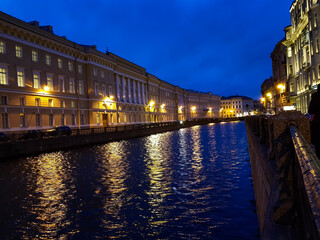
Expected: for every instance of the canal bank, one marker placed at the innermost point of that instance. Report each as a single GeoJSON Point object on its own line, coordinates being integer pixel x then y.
{"type": "Point", "coordinates": [85, 137]}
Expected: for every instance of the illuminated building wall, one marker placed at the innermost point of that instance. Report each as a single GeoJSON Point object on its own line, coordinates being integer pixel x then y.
{"type": "Point", "coordinates": [236, 106]}
{"type": "Point", "coordinates": [47, 80]}
{"type": "Point", "coordinates": [303, 46]}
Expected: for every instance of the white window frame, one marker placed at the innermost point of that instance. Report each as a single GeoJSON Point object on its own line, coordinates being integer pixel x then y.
{"type": "Point", "coordinates": [71, 86]}
{"type": "Point", "coordinates": [34, 55]}
{"type": "Point", "coordinates": [3, 47]}
{"type": "Point", "coordinates": [35, 84]}
{"type": "Point", "coordinates": [19, 51]}
{"type": "Point", "coordinates": [49, 76]}
{"type": "Point", "coordinates": [48, 59]}
{"type": "Point", "coordinates": [4, 75]}
{"type": "Point", "coordinates": [21, 77]}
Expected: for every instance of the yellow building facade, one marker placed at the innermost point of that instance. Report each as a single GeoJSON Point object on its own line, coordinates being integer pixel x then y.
{"type": "Point", "coordinates": [47, 80]}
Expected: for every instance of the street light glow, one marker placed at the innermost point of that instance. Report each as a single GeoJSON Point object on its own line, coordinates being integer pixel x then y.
{"type": "Point", "coordinates": [46, 88]}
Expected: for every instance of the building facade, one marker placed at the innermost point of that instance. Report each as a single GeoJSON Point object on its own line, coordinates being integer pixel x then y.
{"type": "Point", "coordinates": [47, 80]}
{"type": "Point", "coordinates": [236, 106]}
{"type": "Point", "coordinates": [303, 57]}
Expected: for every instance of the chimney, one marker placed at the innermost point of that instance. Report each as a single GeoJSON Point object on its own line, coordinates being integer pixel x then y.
{"type": "Point", "coordinates": [34, 23]}
{"type": "Point", "coordinates": [47, 28]}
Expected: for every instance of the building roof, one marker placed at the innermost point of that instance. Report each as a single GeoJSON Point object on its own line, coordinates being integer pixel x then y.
{"type": "Point", "coordinates": [235, 96]}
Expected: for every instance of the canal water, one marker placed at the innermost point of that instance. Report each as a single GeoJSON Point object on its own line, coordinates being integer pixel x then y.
{"type": "Point", "coordinates": [193, 183]}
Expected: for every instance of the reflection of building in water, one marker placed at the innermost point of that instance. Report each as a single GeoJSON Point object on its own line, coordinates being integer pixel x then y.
{"type": "Point", "coordinates": [53, 184]}
{"type": "Point", "coordinates": [158, 158]}
{"type": "Point", "coordinates": [47, 80]}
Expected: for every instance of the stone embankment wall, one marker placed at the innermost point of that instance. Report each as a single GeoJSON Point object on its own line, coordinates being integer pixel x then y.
{"type": "Point", "coordinates": [283, 207]}
{"type": "Point", "coordinates": [84, 137]}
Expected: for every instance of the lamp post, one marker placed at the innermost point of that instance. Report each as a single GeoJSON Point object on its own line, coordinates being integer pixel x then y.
{"type": "Point", "coordinates": [282, 88]}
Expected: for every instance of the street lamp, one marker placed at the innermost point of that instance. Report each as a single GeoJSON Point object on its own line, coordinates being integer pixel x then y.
{"type": "Point", "coordinates": [282, 88]}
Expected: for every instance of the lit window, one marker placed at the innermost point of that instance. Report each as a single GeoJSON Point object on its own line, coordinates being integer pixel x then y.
{"type": "Point", "coordinates": [50, 102]}
{"type": "Point", "coordinates": [73, 105]}
{"type": "Point", "coordinates": [59, 63]}
{"type": "Point", "coordinates": [315, 20]}
{"type": "Point", "coordinates": [50, 82]}
{"type": "Point", "coordinates": [98, 118]}
{"type": "Point", "coordinates": [36, 80]}
{"type": "Point", "coordinates": [70, 66]}
{"type": "Point", "coordinates": [34, 56]}
{"type": "Point", "coordinates": [48, 59]}
{"type": "Point", "coordinates": [2, 47]}
{"type": "Point", "coordinates": [317, 45]}
{"type": "Point", "coordinates": [289, 52]}
{"type": "Point", "coordinates": [19, 52]}
{"type": "Point", "coordinates": [3, 75]}
{"type": "Point", "coordinates": [81, 88]}
{"type": "Point", "coordinates": [80, 69]}
{"type": "Point", "coordinates": [20, 78]}
{"type": "Point", "coordinates": [38, 102]}
{"type": "Point", "coordinates": [71, 86]}
{"type": "Point", "coordinates": [62, 104]}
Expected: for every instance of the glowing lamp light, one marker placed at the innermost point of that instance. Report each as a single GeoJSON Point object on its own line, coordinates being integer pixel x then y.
{"type": "Point", "coordinates": [151, 103]}
{"type": "Point", "coordinates": [263, 99]}
{"type": "Point", "coordinates": [46, 88]}
{"type": "Point", "coordinates": [193, 108]}
{"type": "Point", "coordinates": [280, 86]}
{"type": "Point", "coordinates": [269, 95]}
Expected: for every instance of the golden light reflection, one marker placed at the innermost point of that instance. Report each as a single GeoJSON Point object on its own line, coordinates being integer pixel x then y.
{"type": "Point", "coordinates": [196, 151]}
{"type": "Point", "coordinates": [158, 154]}
{"type": "Point", "coordinates": [114, 173]}
{"type": "Point", "coordinates": [52, 185]}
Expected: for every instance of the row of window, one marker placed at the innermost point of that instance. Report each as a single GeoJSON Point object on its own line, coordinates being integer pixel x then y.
{"type": "Point", "coordinates": [48, 60]}
{"type": "Point", "coordinates": [36, 80]}
{"type": "Point", "coordinates": [38, 103]}
{"type": "Point", "coordinates": [38, 119]}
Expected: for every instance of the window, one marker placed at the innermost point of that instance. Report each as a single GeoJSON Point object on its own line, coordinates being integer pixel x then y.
{"type": "Point", "coordinates": [110, 91]}
{"type": "Point", "coordinates": [50, 119]}
{"type": "Point", "coordinates": [22, 101]}
{"type": "Point", "coordinates": [80, 69]}
{"type": "Point", "coordinates": [291, 87]}
{"type": "Point", "coordinates": [73, 119]}
{"type": "Point", "coordinates": [4, 100]}
{"type": "Point", "coordinates": [20, 78]}
{"type": "Point", "coordinates": [60, 63]}
{"type": "Point", "coordinates": [104, 90]}
{"type": "Point", "coordinates": [98, 118]}
{"type": "Point", "coordinates": [5, 121]}
{"type": "Point", "coordinates": [38, 120]}
{"type": "Point", "coordinates": [61, 84]}
{"type": "Point", "coordinates": [22, 120]}
{"type": "Point", "coordinates": [317, 45]}
{"type": "Point", "coordinates": [38, 102]}
{"type": "Point", "coordinates": [73, 105]}
{"type": "Point", "coordinates": [81, 88]}
{"type": "Point", "coordinates": [34, 56]}
{"type": "Point", "coordinates": [315, 24]}
{"type": "Point", "coordinates": [2, 47]}
{"type": "Point", "coordinates": [96, 89]}
{"type": "Point", "coordinates": [62, 119]}
{"type": "Point", "coordinates": [102, 74]}
{"type": "Point", "coordinates": [62, 104]}
{"type": "Point", "coordinates": [70, 66]}
{"type": "Point", "coordinates": [290, 69]}
{"type": "Point", "coordinates": [289, 52]}
{"type": "Point", "coordinates": [36, 80]}
{"type": "Point", "coordinates": [3, 75]}
{"type": "Point", "coordinates": [81, 119]}
{"type": "Point", "coordinates": [95, 72]}
{"type": "Point", "coordinates": [19, 52]}
{"type": "Point", "coordinates": [48, 59]}
{"type": "Point", "coordinates": [50, 102]}
{"type": "Point", "coordinates": [50, 82]}
{"type": "Point", "coordinates": [71, 86]}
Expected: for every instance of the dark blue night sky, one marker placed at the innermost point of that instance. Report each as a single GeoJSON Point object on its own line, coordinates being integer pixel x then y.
{"type": "Point", "coordinates": [205, 45]}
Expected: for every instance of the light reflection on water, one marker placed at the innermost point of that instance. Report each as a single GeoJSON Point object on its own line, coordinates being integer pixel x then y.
{"type": "Point", "coordinates": [193, 183]}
